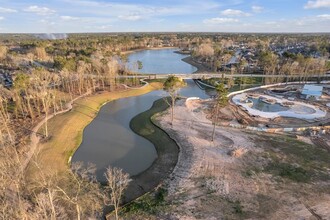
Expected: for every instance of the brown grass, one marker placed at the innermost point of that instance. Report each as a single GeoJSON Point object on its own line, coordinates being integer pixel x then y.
{"type": "Point", "coordinates": [66, 130]}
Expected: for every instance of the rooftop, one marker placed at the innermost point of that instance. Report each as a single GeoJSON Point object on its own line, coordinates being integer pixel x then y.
{"type": "Point", "coordinates": [312, 90]}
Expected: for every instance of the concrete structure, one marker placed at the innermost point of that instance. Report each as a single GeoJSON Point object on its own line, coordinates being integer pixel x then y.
{"type": "Point", "coordinates": [312, 91]}
{"type": "Point", "coordinates": [298, 110]}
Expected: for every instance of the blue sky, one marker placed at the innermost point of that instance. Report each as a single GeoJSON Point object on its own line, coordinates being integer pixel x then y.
{"type": "Point", "coordinates": [67, 16]}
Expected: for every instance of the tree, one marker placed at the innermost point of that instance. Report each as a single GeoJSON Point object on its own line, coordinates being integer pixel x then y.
{"type": "Point", "coordinates": [6, 134]}
{"type": "Point", "coordinates": [172, 86]}
{"type": "Point", "coordinates": [269, 62]}
{"type": "Point", "coordinates": [140, 64]}
{"type": "Point", "coordinates": [117, 182]}
{"type": "Point", "coordinates": [220, 101]}
{"type": "Point", "coordinates": [22, 88]}
{"type": "Point", "coordinates": [41, 82]}
{"type": "Point", "coordinates": [82, 190]}
{"type": "Point", "coordinates": [12, 204]}
{"type": "Point", "coordinates": [40, 53]}
{"type": "Point", "coordinates": [3, 52]}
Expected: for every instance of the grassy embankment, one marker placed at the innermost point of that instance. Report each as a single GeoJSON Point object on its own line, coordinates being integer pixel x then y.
{"type": "Point", "coordinates": [66, 130]}
{"type": "Point", "coordinates": [167, 152]}
{"type": "Point", "coordinates": [145, 125]}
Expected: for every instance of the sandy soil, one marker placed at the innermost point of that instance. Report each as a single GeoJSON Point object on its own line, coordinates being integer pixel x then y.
{"type": "Point", "coordinates": [209, 181]}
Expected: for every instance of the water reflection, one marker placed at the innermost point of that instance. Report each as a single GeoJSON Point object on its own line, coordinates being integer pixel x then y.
{"type": "Point", "coordinates": [160, 61]}
{"type": "Point", "coordinates": [108, 139]}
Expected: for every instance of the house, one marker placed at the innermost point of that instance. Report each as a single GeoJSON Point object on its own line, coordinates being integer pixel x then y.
{"type": "Point", "coordinates": [312, 91]}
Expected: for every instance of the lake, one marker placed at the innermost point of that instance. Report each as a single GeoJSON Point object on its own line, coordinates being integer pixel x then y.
{"type": "Point", "coordinates": [108, 139]}
{"type": "Point", "coordinates": [162, 61]}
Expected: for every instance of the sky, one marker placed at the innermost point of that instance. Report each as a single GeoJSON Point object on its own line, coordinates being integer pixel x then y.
{"type": "Point", "coordinates": [70, 16]}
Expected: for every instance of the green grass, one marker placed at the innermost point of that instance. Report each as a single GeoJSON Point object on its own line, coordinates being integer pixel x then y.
{"type": "Point", "coordinates": [291, 159]}
{"type": "Point", "coordinates": [306, 155]}
{"type": "Point", "coordinates": [297, 174]}
{"type": "Point", "coordinates": [151, 203]}
{"type": "Point", "coordinates": [236, 208]}
{"type": "Point", "coordinates": [66, 129]}
{"type": "Point", "coordinates": [156, 80]}
{"type": "Point", "coordinates": [143, 125]}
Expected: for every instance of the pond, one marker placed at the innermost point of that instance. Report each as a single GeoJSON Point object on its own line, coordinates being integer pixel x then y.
{"type": "Point", "coordinates": [162, 61]}
{"type": "Point", "coordinates": [108, 139]}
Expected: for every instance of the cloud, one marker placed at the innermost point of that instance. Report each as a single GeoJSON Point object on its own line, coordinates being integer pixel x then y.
{"type": "Point", "coordinates": [214, 21]}
{"type": "Point", "coordinates": [104, 27]}
{"type": "Point", "coordinates": [317, 4]}
{"type": "Point", "coordinates": [118, 8]}
{"type": "Point", "coordinates": [39, 10]}
{"type": "Point", "coordinates": [257, 9]}
{"type": "Point", "coordinates": [84, 3]}
{"type": "Point", "coordinates": [69, 18]}
{"type": "Point", "coordinates": [324, 16]}
{"type": "Point", "coordinates": [47, 22]}
{"type": "Point", "coordinates": [232, 12]}
{"type": "Point", "coordinates": [130, 17]}
{"type": "Point", "coordinates": [7, 10]}
{"type": "Point", "coordinates": [2, 18]}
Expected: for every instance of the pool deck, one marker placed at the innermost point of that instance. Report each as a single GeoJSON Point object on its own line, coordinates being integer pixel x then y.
{"type": "Point", "coordinates": [289, 113]}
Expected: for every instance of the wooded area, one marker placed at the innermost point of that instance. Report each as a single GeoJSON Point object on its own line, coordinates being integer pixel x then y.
{"type": "Point", "coordinates": [39, 77]}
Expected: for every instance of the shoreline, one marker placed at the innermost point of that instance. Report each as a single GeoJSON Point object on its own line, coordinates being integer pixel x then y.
{"type": "Point", "coordinates": [200, 67]}
{"type": "Point", "coordinates": [148, 48]}
{"type": "Point", "coordinates": [145, 125]}
{"type": "Point", "coordinates": [68, 128]}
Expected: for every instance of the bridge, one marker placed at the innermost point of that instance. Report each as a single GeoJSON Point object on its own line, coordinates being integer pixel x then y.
{"type": "Point", "coordinates": [208, 75]}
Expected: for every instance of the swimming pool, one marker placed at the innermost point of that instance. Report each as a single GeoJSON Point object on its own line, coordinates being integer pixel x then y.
{"type": "Point", "coordinates": [266, 107]}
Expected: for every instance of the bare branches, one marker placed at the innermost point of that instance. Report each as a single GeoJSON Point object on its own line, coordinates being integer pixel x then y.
{"type": "Point", "coordinates": [117, 182]}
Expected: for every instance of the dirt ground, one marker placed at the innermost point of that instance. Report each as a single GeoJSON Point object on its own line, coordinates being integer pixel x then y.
{"type": "Point", "coordinates": [242, 175]}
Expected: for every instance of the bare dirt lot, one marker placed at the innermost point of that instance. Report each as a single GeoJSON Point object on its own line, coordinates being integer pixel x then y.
{"type": "Point", "coordinates": [241, 175]}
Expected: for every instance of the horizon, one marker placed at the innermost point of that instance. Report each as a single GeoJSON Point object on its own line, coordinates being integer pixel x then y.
{"type": "Point", "coordinates": [128, 16]}
{"type": "Point", "coordinates": [163, 32]}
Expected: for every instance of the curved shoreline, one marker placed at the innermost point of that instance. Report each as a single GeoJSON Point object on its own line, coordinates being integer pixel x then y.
{"type": "Point", "coordinates": [106, 102]}
{"type": "Point", "coordinates": [148, 48]}
{"type": "Point", "coordinates": [200, 67]}
{"type": "Point", "coordinates": [68, 128]}
{"type": "Point", "coordinates": [166, 147]}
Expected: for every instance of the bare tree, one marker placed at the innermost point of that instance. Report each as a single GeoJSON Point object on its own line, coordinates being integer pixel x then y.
{"type": "Point", "coordinates": [6, 133]}
{"type": "Point", "coordinates": [83, 191]}
{"type": "Point", "coordinates": [117, 182]}
{"type": "Point", "coordinates": [42, 82]}
{"type": "Point", "coordinates": [111, 72]}
{"type": "Point", "coordinates": [12, 203]}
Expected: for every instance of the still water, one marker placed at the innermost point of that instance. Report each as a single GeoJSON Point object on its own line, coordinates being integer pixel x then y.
{"type": "Point", "coordinates": [266, 107]}
{"type": "Point", "coordinates": [108, 139]}
{"type": "Point", "coordinates": [159, 61]}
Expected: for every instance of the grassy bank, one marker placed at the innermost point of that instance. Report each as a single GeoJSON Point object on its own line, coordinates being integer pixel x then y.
{"type": "Point", "coordinates": [167, 151]}
{"type": "Point", "coordinates": [66, 130]}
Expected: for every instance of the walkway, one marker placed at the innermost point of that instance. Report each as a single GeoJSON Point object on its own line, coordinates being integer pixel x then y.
{"type": "Point", "coordinates": [35, 138]}
{"type": "Point", "coordinates": [207, 75]}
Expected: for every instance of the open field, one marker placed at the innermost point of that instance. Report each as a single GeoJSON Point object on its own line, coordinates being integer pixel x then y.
{"type": "Point", "coordinates": [238, 176]}
{"type": "Point", "coordinates": [66, 130]}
